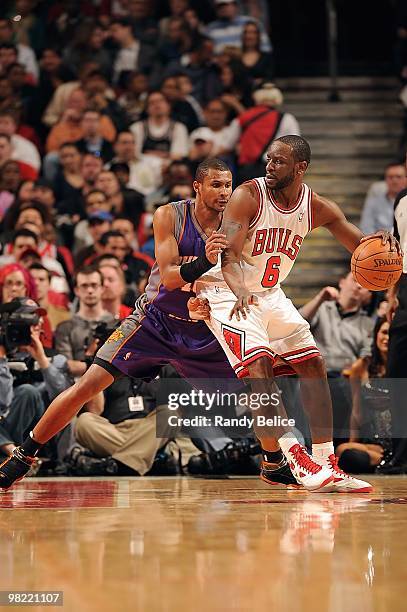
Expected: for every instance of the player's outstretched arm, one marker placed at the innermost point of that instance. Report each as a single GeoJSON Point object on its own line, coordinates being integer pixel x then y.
{"type": "Point", "coordinates": [174, 272]}
{"type": "Point", "coordinates": [240, 210]}
{"type": "Point", "coordinates": [327, 213]}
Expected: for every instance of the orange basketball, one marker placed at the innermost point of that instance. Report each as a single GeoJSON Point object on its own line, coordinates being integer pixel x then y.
{"type": "Point", "coordinates": [374, 266]}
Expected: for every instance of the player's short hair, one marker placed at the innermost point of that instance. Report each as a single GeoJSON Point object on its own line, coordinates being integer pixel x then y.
{"type": "Point", "coordinates": [300, 147]}
{"type": "Point", "coordinates": [212, 163]}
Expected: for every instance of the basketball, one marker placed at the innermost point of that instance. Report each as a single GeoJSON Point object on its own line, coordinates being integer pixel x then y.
{"type": "Point", "coordinates": [375, 266]}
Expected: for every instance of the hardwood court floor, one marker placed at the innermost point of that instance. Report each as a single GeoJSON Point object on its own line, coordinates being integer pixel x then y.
{"type": "Point", "coordinates": [182, 544]}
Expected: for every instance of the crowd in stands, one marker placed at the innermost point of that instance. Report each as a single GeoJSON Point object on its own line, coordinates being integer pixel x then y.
{"type": "Point", "coordinates": [107, 107]}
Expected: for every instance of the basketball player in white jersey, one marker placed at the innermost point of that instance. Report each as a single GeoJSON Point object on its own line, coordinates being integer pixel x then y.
{"type": "Point", "coordinates": [266, 221]}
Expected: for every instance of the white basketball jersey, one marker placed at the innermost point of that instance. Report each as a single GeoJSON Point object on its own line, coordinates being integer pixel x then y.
{"type": "Point", "coordinates": [273, 241]}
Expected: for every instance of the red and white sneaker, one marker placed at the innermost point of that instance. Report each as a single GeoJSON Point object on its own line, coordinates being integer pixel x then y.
{"type": "Point", "coordinates": [343, 483]}
{"type": "Point", "coordinates": [312, 475]}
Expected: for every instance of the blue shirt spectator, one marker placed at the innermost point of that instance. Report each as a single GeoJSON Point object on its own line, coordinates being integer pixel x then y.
{"type": "Point", "coordinates": [227, 30]}
{"type": "Point", "coordinates": [378, 208]}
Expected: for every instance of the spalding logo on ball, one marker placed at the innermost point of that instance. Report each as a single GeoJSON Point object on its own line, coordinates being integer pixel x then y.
{"type": "Point", "coordinates": [375, 266]}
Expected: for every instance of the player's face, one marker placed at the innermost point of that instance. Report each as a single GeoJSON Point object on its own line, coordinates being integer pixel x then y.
{"type": "Point", "coordinates": [215, 190]}
{"type": "Point", "coordinates": [280, 166]}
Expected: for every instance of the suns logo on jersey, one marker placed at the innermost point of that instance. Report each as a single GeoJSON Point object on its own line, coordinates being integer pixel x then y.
{"type": "Point", "coordinates": [115, 336]}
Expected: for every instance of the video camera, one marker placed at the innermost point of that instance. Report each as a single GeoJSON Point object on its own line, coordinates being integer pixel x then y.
{"type": "Point", "coordinates": [16, 319]}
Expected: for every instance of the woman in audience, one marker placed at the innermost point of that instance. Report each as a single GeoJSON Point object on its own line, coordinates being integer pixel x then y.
{"type": "Point", "coordinates": [370, 421]}
{"type": "Point", "coordinates": [258, 64]}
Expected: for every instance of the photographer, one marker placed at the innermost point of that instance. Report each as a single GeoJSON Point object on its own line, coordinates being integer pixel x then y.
{"type": "Point", "coordinates": [74, 337]}
{"type": "Point", "coordinates": [37, 378]}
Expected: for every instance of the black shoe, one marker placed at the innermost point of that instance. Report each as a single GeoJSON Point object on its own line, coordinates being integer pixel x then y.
{"type": "Point", "coordinates": [14, 468]}
{"type": "Point", "coordinates": [388, 468]}
{"type": "Point", "coordinates": [236, 458]}
{"type": "Point", "coordinates": [278, 474]}
{"type": "Point", "coordinates": [164, 465]}
{"type": "Point", "coordinates": [93, 466]}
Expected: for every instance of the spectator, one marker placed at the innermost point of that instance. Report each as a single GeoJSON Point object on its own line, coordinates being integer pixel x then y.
{"type": "Point", "coordinates": [217, 131]}
{"type": "Point", "coordinates": [182, 110]}
{"type": "Point", "coordinates": [257, 63]}
{"type": "Point", "coordinates": [378, 209]}
{"type": "Point", "coordinates": [176, 42]}
{"type": "Point", "coordinates": [254, 130]}
{"type": "Point", "coordinates": [68, 182]}
{"type": "Point", "coordinates": [43, 193]}
{"type": "Point", "coordinates": [158, 135]}
{"type": "Point", "coordinates": [133, 100]}
{"type": "Point", "coordinates": [123, 201]}
{"type": "Point", "coordinates": [25, 55]}
{"type": "Point", "coordinates": [145, 171]}
{"type": "Point", "coordinates": [21, 406]}
{"type": "Point", "coordinates": [124, 437]}
{"type": "Point", "coordinates": [88, 46]}
{"type": "Point", "coordinates": [17, 282]}
{"type": "Point", "coordinates": [42, 278]}
{"type": "Point", "coordinates": [145, 27]}
{"type": "Point", "coordinates": [57, 105]}
{"type": "Point", "coordinates": [114, 289]}
{"type": "Point", "coordinates": [96, 89]}
{"type": "Point", "coordinates": [198, 64]}
{"type": "Point", "coordinates": [127, 227]}
{"type": "Point", "coordinates": [370, 421]}
{"type": "Point", "coordinates": [10, 178]}
{"type": "Point", "coordinates": [53, 73]}
{"type": "Point", "coordinates": [227, 30]}
{"type": "Point", "coordinates": [23, 150]}
{"type": "Point", "coordinates": [235, 88]}
{"type": "Point", "coordinates": [177, 9]}
{"type": "Point", "coordinates": [7, 97]}
{"type": "Point", "coordinates": [26, 240]}
{"type": "Point", "coordinates": [132, 54]}
{"type": "Point", "coordinates": [92, 140]}
{"type": "Point", "coordinates": [89, 231]}
{"type": "Point", "coordinates": [136, 266]}
{"type": "Point", "coordinates": [69, 128]}
{"type": "Point", "coordinates": [74, 206]}
{"type": "Point", "coordinates": [74, 336]}
{"type": "Point", "coordinates": [27, 172]}
{"type": "Point", "coordinates": [342, 331]}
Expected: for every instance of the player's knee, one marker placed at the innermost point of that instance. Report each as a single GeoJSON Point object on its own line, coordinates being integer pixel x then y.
{"type": "Point", "coordinates": [260, 368]}
{"type": "Point", "coordinates": [95, 380]}
{"type": "Point", "coordinates": [311, 366]}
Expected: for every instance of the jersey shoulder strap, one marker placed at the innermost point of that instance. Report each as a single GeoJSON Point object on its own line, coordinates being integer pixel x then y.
{"type": "Point", "coordinates": [180, 209]}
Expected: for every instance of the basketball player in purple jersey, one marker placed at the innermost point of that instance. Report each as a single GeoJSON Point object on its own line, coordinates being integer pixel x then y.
{"type": "Point", "coordinates": [160, 330]}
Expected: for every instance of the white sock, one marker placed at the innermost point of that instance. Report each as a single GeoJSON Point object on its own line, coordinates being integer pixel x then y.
{"type": "Point", "coordinates": [321, 452]}
{"type": "Point", "coordinates": [287, 441]}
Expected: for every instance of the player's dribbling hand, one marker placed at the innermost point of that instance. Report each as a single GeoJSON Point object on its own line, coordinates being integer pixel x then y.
{"type": "Point", "coordinates": [215, 244]}
{"type": "Point", "coordinates": [199, 309]}
{"type": "Point", "coordinates": [387, 237]}
{"type": "Point", "coordinates": [242, 304]}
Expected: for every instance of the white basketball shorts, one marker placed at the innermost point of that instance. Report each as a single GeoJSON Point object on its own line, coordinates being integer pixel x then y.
{"type": "Point", "coordinates": [272, 328]}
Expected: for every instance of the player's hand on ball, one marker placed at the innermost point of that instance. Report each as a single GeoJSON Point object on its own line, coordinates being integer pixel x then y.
{"type": "Point", "coordinates": [387, 237]}
{"type": "Point", "coordinates": [242, 304]}
{"type": "Point", "coordinates": [215, 244]}
{"type": "Point", "coordinates": [199, 309]}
